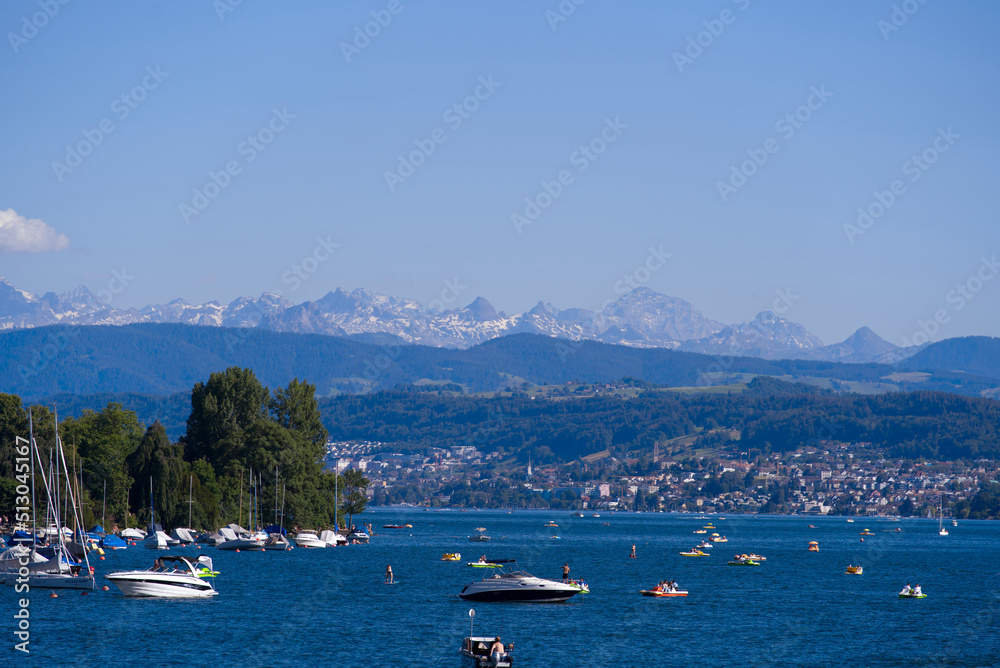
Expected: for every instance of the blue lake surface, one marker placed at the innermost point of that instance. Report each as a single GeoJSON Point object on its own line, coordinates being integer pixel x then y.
{"type": "Point", "coordinates": [330, 606]}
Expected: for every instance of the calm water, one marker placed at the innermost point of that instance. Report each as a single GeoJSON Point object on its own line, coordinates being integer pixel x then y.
{"type": "Point", "coordinates": [330, 606]}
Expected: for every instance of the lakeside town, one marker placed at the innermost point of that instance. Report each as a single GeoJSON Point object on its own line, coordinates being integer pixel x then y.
{"type": "Point", "coordinates": [833, 478]}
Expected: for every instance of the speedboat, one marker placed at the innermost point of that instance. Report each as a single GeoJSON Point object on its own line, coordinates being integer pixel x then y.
{"type": "Point", "coordinates": [663, 592]}
{"type": "Point", "coordinates": [358, 536]}
{"type": "Point", "coordinates": [483, 564]}
{"type": "Point", "coordinates": [704, 545]}
{"type": "Point", "coordinates": [595, 515]}
{"type": "Point", "coordinates": [397, 526]}
{"type": "Point", "coordinates": [308, 539]}
{"type": "Point", "coordinates": [475, 652]}
{"type": "Point", "coordinates": [518, 586]}
{"type": "Point", "coordinates": [183, 535]}
{"type": "Point", "coordinates": [480, 536]}
{"type": "Point", "coordinates": [160, 581]}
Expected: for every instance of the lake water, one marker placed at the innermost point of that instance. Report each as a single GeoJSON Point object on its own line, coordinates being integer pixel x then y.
{"type": "Point", "coordinates": [331, 606]}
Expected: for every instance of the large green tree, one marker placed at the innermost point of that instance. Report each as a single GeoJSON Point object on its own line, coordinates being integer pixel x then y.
{"type": "Point", "coordinates": [104, 440]}
{"type": "Point", "coordinates": [13, 424]}
{"type": "Point", "coordinates": [222, 410]}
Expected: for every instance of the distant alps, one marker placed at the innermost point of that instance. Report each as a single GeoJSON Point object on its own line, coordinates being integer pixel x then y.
{"type": "Point", "coordinates": [641, 318]}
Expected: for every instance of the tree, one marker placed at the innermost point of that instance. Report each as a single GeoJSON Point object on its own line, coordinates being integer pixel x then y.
{"type": "Point", "coordinates": [354, 488]}
{"type": "Point", "coordinates": [104, 441]}
{"type": "Point", "coordinates": [159, 462]}
{"type": "Point", "coordinates": [221, 412]}
{"type": "Point", "coordinates": [13, 424]}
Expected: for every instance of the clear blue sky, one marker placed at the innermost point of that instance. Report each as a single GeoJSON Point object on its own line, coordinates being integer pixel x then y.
{"type": "Point", "coordinates": [884, 96]}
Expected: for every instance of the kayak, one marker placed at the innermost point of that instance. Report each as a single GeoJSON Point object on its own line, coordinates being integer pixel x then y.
{"type": "Point", "coordinates": [659, 593]}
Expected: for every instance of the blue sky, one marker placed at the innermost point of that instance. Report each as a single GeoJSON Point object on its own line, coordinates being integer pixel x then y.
{"type": "Point", "coordinates": [644, 109]}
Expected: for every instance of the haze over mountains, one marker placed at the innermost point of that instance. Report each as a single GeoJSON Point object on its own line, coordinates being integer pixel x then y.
{"type": "Point", "coordinates": [641, 318]}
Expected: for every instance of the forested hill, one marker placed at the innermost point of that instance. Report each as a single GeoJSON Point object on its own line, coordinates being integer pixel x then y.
{"type": "Point", "coordinates": [767, 417]}
{"type": "Point", "coordinates": [163, 359]}
{"type": "Point", "coordinates": [979, 355]}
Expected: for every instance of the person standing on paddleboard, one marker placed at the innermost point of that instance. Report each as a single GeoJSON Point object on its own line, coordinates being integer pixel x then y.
{"type": "Point", "coordinates": [388, 574]}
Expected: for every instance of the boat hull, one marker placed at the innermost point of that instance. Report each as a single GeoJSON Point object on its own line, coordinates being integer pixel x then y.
{"type": "Point", "coordinates": [514, 596]}
{"type": "Point", "coordinates": [147, 585]}
{"type": "Point", "coordinates": [51, 581]}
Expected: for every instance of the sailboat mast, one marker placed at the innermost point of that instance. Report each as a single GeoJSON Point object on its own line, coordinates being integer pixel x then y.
{"type": "Point", "coordinates": [276, 494]}
{"type": "Point", "coordinates": [34, 503]}
{"type": "Point", "coordinates": [239, 516]}
{"type": "Point", "coordinates": [282, 524]}
{"type": "Point", "coordinates": [69, 490]}
{"type": "Point", "coordinates": [152, 516]}
{"type": "Point", "coordinates": [104, 506]}
{"type": "Point", "coordinates": [190, 492]}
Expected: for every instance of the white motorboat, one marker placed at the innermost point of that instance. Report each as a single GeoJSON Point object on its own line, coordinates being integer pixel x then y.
{"type": "Point", "coordinates": [162, 581]}
{"type": "Point", "coordinates": [475, 653]}
{"type": "Point", "coordinates": [244, 541]}
{"type": "Point", "coordinates": [480, 536]}
{"type": "Point", "coordinates": [184, 535]}
{"type": "Point", "coordinates": [358, 536]}
{"type": "Point", "coordinates": [156, 540]}
{"type": "Point", "coordinates": [276, 541]}
{"type": "Point", "coordinates": [332, 538]}
{"type": "Point", "coordinates": [518, 586]}
{"type": "Point", "coordinates": [308, 539]}
{"type": "Point", "coordinates": [133, 534]}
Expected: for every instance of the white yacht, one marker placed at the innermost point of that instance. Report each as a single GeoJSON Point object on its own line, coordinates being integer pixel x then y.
{"type": "Point", "coordinates": [480, 536]}
{"type": "Point", "coordinates": [162, 581]}
{"type": "Point", "coordinates": [517, 586]}
{"type": "Point", "coordinates": [308, 539]}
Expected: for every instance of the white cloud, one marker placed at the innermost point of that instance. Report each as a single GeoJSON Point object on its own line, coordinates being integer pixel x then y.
{"type": "Point", "coordinates": [28, 235]}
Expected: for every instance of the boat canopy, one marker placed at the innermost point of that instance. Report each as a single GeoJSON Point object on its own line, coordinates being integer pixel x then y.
{"type": "Point", "coordinates": [274, 528]}
{"type": "Point", "coordinates": [113, 541]}
{"type": "Point", "coordinates": [227, 533]}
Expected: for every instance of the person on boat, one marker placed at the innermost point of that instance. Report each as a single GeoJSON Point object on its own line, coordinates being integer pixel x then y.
{"type": "Point", "coordinates": [496, 651]}
{"type": "Point", "coordinates": [566, 572]}
{"type": "Point", "coordinates": [482, 559]}
{"type": "Point", "coordinates": [916, 591]}
{"type": "Point", "coordinates": [907, 590]}
{"type": "Point", "coordinates": [388, 574]}
{"type": "Point", "coordinates": [157, 565]}
{"type": "Point", "coordinates": [632, 555]}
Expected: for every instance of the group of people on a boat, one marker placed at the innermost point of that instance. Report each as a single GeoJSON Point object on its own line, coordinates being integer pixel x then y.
{"type": "Point", "coordinates": [667, 586]}
{"type": "Point", "coordinates": [911, 591]}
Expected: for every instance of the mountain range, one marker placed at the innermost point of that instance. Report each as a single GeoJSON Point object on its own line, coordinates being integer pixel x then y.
{"type": "Point", "coordinates": [642, 318]}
